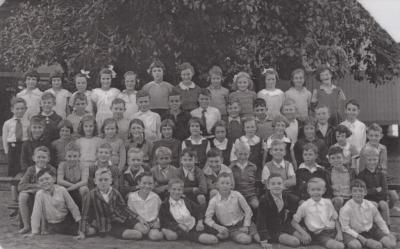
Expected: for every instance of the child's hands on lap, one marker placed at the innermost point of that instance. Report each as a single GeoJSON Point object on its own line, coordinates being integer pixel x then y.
{"type": "Point", "coordinates": [222, 230]}
{"type": "Point", "coordinates": [362, 239]}
{"type": "Point", "coordinates": [195, 190]}
{"type": "Point", "coordinates": [305, 238]}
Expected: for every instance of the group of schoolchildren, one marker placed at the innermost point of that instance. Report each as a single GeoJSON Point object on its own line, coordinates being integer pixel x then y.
{"type": "Point", "coordinates": [202, 164]}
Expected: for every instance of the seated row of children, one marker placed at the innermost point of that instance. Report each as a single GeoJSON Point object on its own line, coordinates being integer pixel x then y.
{"type": "Point", "coordinates": [126, 206]}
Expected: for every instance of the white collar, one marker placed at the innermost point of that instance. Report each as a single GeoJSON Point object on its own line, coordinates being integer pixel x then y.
{"type": "Point", "coordinates": [187, 87]}
{"type": "Point", "coordinates": [47, 115]}
{"type": "Point", "coordinates": [220, 144]}
{"type": "Point", "coordinates": [230, 119]}
{"type": "Point", "coordinates": [129, 171]}
{"type": "Point", "coordinates": [196, 141]}
{"type": "Point", "coordinates": [251, 141]}
{"type": "Point", "coordinates": [272, 93]}
{"type": "Point", "coordinates": [280, 165]}
{"type": "Point", "coordinates": [174, 203]}
{"type": "Point", "coordinates": [312, 170]}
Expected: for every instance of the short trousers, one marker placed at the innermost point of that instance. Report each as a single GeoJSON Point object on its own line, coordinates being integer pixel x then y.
{"type": "Point", "coordinates": [374, 233]}
{"type": "Point", "coordinates": [234, 230]}
{"type": "Point", "coordinates": [117, 229]}
{"type": "Point", "coordinates": [323, 237]}
{"type": "Point", "coordinates": [68, 226]}
{"type": "Point", "coordinates": [286, 229]}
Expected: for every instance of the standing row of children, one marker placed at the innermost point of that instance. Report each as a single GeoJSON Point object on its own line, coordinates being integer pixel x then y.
{"type": "Point", "coordinates": [112, 151]}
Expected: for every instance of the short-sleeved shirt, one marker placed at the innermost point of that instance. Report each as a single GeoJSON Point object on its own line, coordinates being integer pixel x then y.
{"type": "Point", "coordinates": [318, 216]}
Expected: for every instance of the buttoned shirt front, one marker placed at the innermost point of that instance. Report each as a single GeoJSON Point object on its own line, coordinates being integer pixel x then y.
{"type": "Point", "coordinates": [318, 215]}
{"type": "Point", "coordinates": [212, 116]}
{"type": "Point", "coordinates": [356, 218]}
{"type": "Point", "coordinates": [146, 208]}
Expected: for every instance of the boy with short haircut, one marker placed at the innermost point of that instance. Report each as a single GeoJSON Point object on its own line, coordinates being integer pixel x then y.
{"type": "Point", "coordinates": [163, 171]}
{"type": "Point", "coordinates": [72, 175]}
{"type": "Point", "coordinates": [357, 128]}
{"type": "Point", "coordinates": [103, 160]}
{"type": "Point", "coordinates": [309, 169]}
{"type": "Point", "coordinates": [278, 165]}
{"type": "Point", "coordinates": [375, 180]}
{"type": "Point", "coordinates": [182, 218]}
{"type": "Point", "coordinates": [263, 119]}
{"type": "Point", "coordinates": [275, 213]}
{"type": "Point", "coordinates": [374, 135]}
{"type": "Point", "coordinates": [150, 119]}
{"type": "Point", "coordinates": [341, 177]}
{"type": "Point", "coordinates": [362, 225]}
{"type": "Point", "coordinates": [195, 185]}
{"type": "Point", "coordinates": [50, 116]}
{"type": "Point", "coordinates": [28, 185]}
{"type": "Point", "coordinates": [209, 115]}
{"type": "Point", "coordinates": [79, 104]}
{"type": "Point", "coordinates": [15, 132]}
{"type": "Point", "coordinates": [320, 218]}
{"type": "Point", "coordinates": [233, 214]}
{"type": "Point", "coordinates": [244, 174]}
{"type": "Point", "coordinates": [146, 204]}
{"type": "Point", "coordinates": [324, 129]}
{"type": "Point", "coordinates": [31, 94]}
{"type": "Point", "coordinates": [175, 113]}
{"type": "Point", "coordinates": [54, 211]}
{"type": "Point", "coordinates": [233, 121]}
{"type": "Point", "coordinates": [289, 110]}
{"type": "Point", "coordinates": [105, 211]}
{"type": "Point", "coordinates": [118, 109]}
{"type": "Point", "coordinates": [135, 162]}
{"type": "Point", "coordinates": [213, 168]}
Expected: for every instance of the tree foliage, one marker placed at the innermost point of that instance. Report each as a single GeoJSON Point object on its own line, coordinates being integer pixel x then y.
{"type": "Point", "coordinates": [237, 35]}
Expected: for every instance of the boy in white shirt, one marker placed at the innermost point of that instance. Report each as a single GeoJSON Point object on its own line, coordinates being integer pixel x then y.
{"type": "Point", "coordinates": [320, 217]}
{"type": "Point", "coordinates": [146, 204]}
{"type": "Point", "coordinates": [362, 223]}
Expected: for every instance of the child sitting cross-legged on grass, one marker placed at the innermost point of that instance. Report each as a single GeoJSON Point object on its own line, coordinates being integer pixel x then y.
{"type": "Point", "coordinates": [320, 218]}
{"type": "Point", "coordinates": [232, 213]}
{"type": "Point", "coordinates": [105, 211]}
{"type": "Point", "coordinates": [54, 210]}
{"type": "Point", "coordinates": [28, 186]}
{"type": "Point", "coordinates": [146, 204]}
{"type": "Point", "coordinates": [183, 218]}
{"type": "Point", "coordinates": [361, 222]}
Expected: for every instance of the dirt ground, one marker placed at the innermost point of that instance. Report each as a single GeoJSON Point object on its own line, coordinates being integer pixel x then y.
{"type": "Point", "coordinates": [10, 239]}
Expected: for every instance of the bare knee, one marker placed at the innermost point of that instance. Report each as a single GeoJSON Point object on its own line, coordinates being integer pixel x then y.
{"type": "Point", "coordinates": [131, 234]}
{"type": "Point", "coordinates": [289, 240]}
{"type": "Point", "coordinates": [155, 234]}
{"type": "Point", "coordinates": [242, 238]}
{"type": "Point", "coordinates": [354, 244]}
{"type": "Point", "coordinates": [208, 239]}
{"type": "Point", "coordinates": [169, 235]}
{"type": "Point", "coordinates": [334, 244]}
{"type": "Point", "coordinates": [389, 242]}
